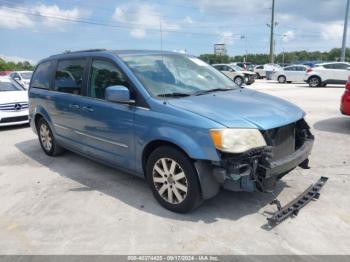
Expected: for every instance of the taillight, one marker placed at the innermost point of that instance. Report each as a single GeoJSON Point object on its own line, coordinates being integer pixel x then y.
{"type": "Point", "coordinates": [347, 86]}
{"type": "Point", "coordinates": [309, 70]}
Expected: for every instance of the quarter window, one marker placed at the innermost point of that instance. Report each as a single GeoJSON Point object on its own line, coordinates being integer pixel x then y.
{"type": "Point", "coordinates": [42, 75]}
{"type": "Point", "coordinates": [69, 76]}
{"type": "Point", "coordinates": [103, 75]}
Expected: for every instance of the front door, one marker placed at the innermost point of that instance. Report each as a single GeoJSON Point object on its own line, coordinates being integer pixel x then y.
{"type": "Point", "coordinates": [108, 127]}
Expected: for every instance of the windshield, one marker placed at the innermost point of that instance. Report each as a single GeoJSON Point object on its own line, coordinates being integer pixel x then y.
{"type": "Point", "coordinates": [237, 68]}
{"type": "Point", "coordinates": [176, 74]}
{"type": "Point", "coordinates": [9, 86]}
{"type": "Point", "coordinates": [26, 75]}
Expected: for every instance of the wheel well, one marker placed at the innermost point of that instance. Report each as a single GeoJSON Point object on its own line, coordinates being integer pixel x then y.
{"type": "Point", "coordinates": [282, 75]}
{"type": "Point", "coordinates": [152, 146]}
{"type": "Point", "coordinates": [314, 76]}
{"type": "Point", "coordinates": [36, 120]}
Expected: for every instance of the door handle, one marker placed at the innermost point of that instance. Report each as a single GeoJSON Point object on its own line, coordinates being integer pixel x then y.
{"type": "Point", "coordinates": [74, 106]}
{"type": "Point", "coordinates": [87, 109]}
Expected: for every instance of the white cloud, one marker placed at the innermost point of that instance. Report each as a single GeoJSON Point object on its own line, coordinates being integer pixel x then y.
{"type": "Point", "coordinates": [288, 36]}
{"type": "Point", "coordinates": [332, 31]}
{"type": "Point", "coordinates": [188, 20]}
{"type": "Point", "coordinates": [142, 18]}
{"type": "Point", "coordinates": [138, 33]}
{"type": "Point", "coordinates": [43, 15]}
{"type": "Point", "coordinates": [49, 11]}
{"type": "Point", "coordinates": [227, 38]}
{"type": "Point", "coordinates": [13, 20]}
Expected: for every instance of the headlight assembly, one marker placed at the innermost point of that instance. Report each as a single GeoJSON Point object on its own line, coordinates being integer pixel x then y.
{"type": "Point", "coordinates": [236, 140]}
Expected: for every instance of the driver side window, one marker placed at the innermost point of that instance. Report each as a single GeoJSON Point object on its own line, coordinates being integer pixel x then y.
{"type": "Point", "coordinates": [104, 74]}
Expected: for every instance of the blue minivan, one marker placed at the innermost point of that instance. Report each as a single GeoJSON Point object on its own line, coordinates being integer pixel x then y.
{"type": "Point", "coordinates": [169, 118]}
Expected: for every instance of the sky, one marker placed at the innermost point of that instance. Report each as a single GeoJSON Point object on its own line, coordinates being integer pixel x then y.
{"type": "Point", "coordinates": [33, 30]}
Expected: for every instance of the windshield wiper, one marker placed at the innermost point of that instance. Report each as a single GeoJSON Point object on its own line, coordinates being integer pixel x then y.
{"type": "Point", "coordinates": [212, 90]}
{"type": "Point", "coordinates": [174, 94]}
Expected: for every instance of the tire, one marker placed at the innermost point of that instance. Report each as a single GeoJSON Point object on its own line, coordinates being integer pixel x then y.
{"type": "Point", "coordinates": [47, 139]}
{"type": "Point", "coordinates": [281, 79]}
{"type": "Point", "coordinates": [258, 76]}
{"type": "Point", "coordinates": [176, 190]}
{"type": "Point", "coordinates": [314, 81]}
{"type": "Point", "coordinates": [238, 80]}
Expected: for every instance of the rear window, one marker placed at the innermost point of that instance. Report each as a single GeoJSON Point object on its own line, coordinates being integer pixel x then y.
{"type": "Point", "coordinates": [42, 75]}
{"type": "Point", "coordinates": [9, 86]}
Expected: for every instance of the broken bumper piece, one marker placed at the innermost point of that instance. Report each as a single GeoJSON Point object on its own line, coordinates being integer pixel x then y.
{"type": "Point", "coordinates": [292, 208]}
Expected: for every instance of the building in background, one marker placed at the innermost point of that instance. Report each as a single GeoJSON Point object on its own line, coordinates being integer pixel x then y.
{"type": "Point", "coordinates": [220, 49]}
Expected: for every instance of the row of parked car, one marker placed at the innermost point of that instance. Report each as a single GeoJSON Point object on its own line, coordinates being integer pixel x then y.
{"type": "Point", "coordinates": [319, 75]}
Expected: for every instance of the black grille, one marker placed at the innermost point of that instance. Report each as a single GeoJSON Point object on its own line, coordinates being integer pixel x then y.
{"type": "Point", "coordinates": [282, 140]}
{"type": "Point", "coordinates": [14, 119]}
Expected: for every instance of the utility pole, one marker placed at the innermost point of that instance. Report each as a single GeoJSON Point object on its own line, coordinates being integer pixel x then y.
{"type": "Point", "coordinates": [343, 48]}
{"type": "Point", "coordinates": [271, 33]}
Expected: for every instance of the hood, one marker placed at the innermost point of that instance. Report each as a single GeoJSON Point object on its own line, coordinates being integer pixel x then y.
{"type": "Point", "coordinates": [13, 97]}
{"type": "Point", "coordinates": [247, 72]}
{"type": "Point", "coordinates": [242, 108]}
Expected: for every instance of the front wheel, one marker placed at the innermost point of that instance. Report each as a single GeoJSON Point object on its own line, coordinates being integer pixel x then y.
{"type": "Point", "coordinates": [47, 139]}
{"type": "Point", "coordinates": [238, 80]}
{"type": "Point", "coordinates": [173, 179]}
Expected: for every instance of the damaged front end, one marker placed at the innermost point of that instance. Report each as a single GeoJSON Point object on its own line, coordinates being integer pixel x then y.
{"type": "Point", "coordinates": [258, 169]}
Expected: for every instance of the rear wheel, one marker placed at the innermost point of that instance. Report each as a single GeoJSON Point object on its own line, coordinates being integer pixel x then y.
{"type": "Point", "coordinates": [314, 81]}
{"type": "Point", "coordinates": [238, 80]}
{"type": "Point", "coordinates": [47, 140]}
{"type": "Point", "coordinates": [281, 79]}
{"type": "Point", "coordinates": [173, 179]}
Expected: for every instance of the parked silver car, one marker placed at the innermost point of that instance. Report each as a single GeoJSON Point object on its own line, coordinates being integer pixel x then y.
{"type": "Point", "coordinates": [236, 73]}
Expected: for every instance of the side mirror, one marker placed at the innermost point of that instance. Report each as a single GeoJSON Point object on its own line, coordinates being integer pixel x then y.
{"type": "Point", "coordinates": [118, 94]}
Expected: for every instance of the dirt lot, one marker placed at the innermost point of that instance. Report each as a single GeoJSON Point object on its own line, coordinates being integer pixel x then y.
{"type": "Point", "coordinates": [71, 205]}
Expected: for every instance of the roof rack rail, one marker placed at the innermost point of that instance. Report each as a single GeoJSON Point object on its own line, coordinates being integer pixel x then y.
{"type": "Point", "coordinates": [86, 50]}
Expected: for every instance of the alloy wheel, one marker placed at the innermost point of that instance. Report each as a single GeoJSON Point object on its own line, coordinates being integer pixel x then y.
{"type": "Point", "coordinates": [170, 180]}
{"type": "Point", "coordinates": [314, 82]}
{"type": "Point", "coordinates": [238, 81]}
{"type": "Point", "coordinates": [45, 137]}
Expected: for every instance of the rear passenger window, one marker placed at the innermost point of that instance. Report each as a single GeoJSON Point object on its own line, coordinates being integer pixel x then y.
{"type": "Point", "coordinates": [42, 75]}
{"type": "Point", "coordinates": [69, 76]}
{"type": "Point", "coordinates": [103, 75]}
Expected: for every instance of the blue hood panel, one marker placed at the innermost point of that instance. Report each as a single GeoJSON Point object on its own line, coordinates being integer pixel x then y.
{"type": "Point", "coordinates": [242, 108]}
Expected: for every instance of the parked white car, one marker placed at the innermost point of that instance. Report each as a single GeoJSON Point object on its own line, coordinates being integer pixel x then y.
{"type": "Point", "coordinates": [23, 77]}
{"type": "Point", "coordinates": [327, 73]}
{"type": "Point", "coordinates": [292, 73]}
{"type": "Point", "coordinates": [236, 73]}
{"type": "Point", "coordinates": [259, 71]}
{"type": "Point", "coordinates": [13, 103]}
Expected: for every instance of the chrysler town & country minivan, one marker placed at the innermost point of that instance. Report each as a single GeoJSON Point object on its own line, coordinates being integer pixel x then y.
{"type": "Point", "coordinates": [168, 117]}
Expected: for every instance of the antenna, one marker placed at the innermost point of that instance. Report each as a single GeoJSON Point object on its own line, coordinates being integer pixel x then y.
{"type": "Point", "coordinates": [161, 34]}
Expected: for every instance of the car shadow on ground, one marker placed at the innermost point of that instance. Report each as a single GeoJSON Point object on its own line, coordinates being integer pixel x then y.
{"type": "Point", "coordinates": [135, 192]}
{"type": "Point", "coordinates": [339, 125]}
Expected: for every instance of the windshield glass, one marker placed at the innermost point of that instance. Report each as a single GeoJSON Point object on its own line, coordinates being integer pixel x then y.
{"type": "Point", "coordinates": [237, 68]}
{"type": "Point", "coordinates": [26, 75]}
{"type": "Point", "coordinates": [176, 74]}
{"type": "Point", "coordinates": [9, 86]}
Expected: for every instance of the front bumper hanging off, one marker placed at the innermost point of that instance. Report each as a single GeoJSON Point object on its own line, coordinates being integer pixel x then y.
{"type": "Point", "coordinates": [292, 208]}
